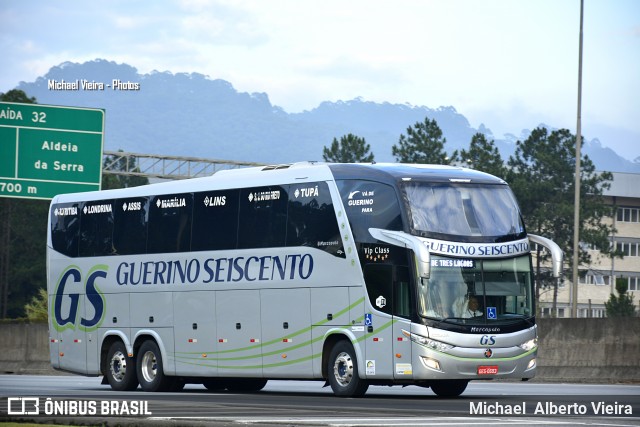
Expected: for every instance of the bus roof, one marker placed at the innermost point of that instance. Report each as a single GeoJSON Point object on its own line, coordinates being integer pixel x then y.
{"type": "Point", "coordinates": [389, 173]}
{"type": "Point", "coordinates": [399, 171]}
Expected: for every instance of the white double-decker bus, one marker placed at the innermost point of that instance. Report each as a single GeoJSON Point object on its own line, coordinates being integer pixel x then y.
{"type": "Point", "coordinates": [376, 274]}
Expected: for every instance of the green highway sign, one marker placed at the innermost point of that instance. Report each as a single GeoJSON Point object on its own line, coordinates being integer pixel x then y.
{"type": "Point", "coordinates": [47, 150]}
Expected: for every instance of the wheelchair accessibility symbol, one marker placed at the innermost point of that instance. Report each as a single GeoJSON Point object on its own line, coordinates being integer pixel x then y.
{"type": "Point", "coordinates": [368, 320]}
{"type": "Point", "coordinates": [492, 313]}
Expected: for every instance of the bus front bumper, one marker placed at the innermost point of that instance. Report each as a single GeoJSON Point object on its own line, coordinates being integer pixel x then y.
{"type": "Point", "coordinates": [474, 363]}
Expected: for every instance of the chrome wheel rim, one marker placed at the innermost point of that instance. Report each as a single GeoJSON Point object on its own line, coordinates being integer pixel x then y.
{"type": "Point", "coordinates": [149, 366]}
{"type": "Point", "coordinates": [343, 369]}
{"type": "Point", "coordinates": [118, 366]}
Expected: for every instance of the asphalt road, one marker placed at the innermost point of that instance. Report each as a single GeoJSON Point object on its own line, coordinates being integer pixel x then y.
{"type": "Point", "coordinates": [75, 399]}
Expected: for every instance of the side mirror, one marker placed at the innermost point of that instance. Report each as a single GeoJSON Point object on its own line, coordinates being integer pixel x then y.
{"type": "Point", "coordinates": [404, 240]}
{"type": "Point", "coordinates": [554, 249]}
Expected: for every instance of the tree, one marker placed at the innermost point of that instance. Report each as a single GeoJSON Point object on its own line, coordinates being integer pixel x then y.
{"type": "Point", "coordinates": [350, 149]}
{"type": "Point", "coordinates": [622, 305]}
{"type": "Point", "coordinates": [37, 308]}
{"type": "Point", "coordinates": [483, 155]}
{"type": "Point", "coordinates": [541, 174]}
{"type": "Point", "coordinates": [17, 95]}
{"type": "Point", "coordinates": [27, 251]}
{"type": "Point", "coordinates": [423, 144]}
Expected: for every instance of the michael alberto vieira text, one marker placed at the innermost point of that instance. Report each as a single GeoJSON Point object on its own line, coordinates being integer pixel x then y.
{"type": "Point", "coordinates": [550, 408]}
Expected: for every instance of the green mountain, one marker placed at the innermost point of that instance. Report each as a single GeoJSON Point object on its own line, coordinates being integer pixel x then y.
{"type": "Point", "coordinates": [194, 115]}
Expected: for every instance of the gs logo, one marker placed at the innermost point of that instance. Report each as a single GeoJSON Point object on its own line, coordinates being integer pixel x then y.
{"type": "Point", "coordinates": [488, 340]}
{"type": "Point", "coordinates": [65, 306]}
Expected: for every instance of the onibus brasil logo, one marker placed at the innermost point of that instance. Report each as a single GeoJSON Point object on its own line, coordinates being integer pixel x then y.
{"type": "Point", "coordinates": [66, 305]}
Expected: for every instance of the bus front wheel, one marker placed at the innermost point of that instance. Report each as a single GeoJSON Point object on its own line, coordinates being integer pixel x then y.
{"type": "Point", "coordinates": [121, 369]}
{"type": "Point", "coordinates": [151, 370]}
{"type": "Point", "coordinates": [342, 370]}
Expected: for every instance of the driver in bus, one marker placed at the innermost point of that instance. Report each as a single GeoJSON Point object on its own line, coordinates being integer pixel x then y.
{"type": "Point", "coordinates": [468, 307]}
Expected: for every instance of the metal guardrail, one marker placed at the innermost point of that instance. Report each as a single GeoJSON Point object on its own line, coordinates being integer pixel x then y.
{"type": "Point", "coordinates": [165, 167]}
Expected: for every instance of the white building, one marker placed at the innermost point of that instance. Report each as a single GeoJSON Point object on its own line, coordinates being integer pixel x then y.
{"type": "Point", "coordinates": [596, 284]}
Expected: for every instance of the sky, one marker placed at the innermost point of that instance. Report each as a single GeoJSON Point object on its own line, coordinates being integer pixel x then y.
{"type": "Point", "coordinates": [507, 64]}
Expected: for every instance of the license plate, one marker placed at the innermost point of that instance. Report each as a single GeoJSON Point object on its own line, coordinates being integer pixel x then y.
{"type": "Point", "coordinates": [487, 370]}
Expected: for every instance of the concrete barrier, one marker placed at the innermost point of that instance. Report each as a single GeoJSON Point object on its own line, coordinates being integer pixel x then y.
{"type": "Point", "coordinates": [589, 350]}
{"type": "Point", "coordinates": [585, 350]}
{"type": "Point", "coordinates": [25, 348]}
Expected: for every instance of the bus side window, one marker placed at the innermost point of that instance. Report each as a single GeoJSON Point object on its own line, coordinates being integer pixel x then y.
{"type": "Point", "coordinates": [65, 228]}
{"type": "Point", "coordinates": [170, 223]}
{"type": "Point", "coordinates": [402, 293]}
{"type": "Point", "coordinates": [311, 219]}
{"type": "Point", "coordinates": [130, 226]}
{"type": "Point", "coordinates": [370, 204]}
{"type": "Point", "coordinates": [386, 293]}
{"type": "Point", "coordinates": [379, 281]}
{"type": "Point", "coordinates": [215, 220]}
{"type": "Point", "coordinates": [96, 229]}
{"type": "Point", "coordinates": [263, 217]}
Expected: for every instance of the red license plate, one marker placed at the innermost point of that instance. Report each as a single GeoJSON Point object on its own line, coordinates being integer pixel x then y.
{"type": "Point", "coordinates": [487, 370]}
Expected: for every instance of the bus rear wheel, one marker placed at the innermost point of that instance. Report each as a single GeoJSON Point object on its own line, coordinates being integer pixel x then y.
{"type": "Point", "coordinates": [449, 388]}
{"type": "Point", "coordinates": [342, 370]}
{"type": "Point", "coordinates": [151, 369]}
{"type": "Point", "coordinates": [121, 369]}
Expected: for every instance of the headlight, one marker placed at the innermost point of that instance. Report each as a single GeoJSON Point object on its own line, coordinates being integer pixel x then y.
{"type": "Point", "coordinates": [429, 343]}
{"type": "Point", "coordinates": [532, 364]}
{"type": "Point", "coordinates": [529, 345]}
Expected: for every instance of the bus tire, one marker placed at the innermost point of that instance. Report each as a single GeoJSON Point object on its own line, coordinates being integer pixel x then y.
{"type": "Point", "coordinates": [121, 369]}
{"type": "Point", "coordinates": [246, 385]}
{"type": "Point", "coordinates": [449, 388]}
{"type": "Point", "coordinates": [151, 369]}
{"type": "Point", "coordinates": [342, 370]}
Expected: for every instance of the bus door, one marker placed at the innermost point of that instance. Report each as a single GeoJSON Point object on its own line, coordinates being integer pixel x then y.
{"type": "Point", "coordinates": [402, 308]}
{"type": "Point", "coordinates": [388, 353]}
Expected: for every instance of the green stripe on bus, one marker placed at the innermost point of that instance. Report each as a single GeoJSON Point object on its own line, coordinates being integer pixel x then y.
{"type": "Point", "coordinates": [277, 340]}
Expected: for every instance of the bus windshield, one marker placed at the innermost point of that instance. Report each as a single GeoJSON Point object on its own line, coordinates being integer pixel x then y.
{"type": "Point", "coordinates": [488, 212]}
{"type": "Point", "coordinates": [473, 291]}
